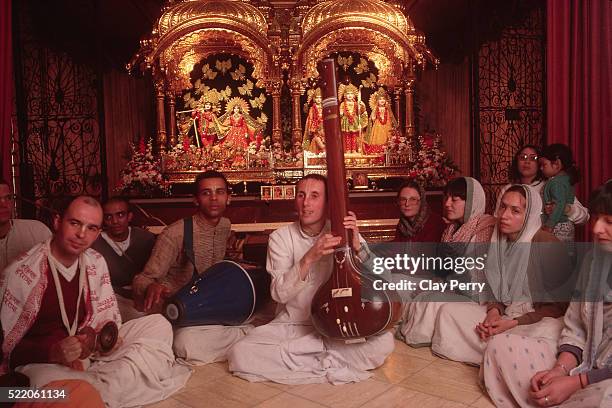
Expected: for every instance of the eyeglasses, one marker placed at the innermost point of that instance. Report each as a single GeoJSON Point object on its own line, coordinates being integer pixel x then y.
{"type": "Point", "coordinates": [528, 157]}
{"type": "Point", "coordinates": [409, 200]}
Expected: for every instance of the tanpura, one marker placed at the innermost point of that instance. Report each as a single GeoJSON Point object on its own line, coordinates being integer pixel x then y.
{"type": "Point", "coordinates": [339, 311]}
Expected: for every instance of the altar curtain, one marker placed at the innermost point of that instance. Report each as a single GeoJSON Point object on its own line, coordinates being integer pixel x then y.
{"type": "Point", "coordinates": [444, 103]}
{"type": "Point", "coordinates": [578, 64]}
{"type": "Point", "coordinates": [6, 88]}
{"type": "Point", "coordinates": [128, 116]}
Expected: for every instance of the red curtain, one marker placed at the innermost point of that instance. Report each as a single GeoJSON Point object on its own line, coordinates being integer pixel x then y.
{"type": "Point", "coordinates": [6, 88]}
{"type": "Point", "coordinates": [578, 85]}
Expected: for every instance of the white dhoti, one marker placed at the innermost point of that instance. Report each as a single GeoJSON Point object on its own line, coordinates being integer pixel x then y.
{"type": "Point", "coordinates": [141, 371]}
{"type": "Point", "coordinates": [419, 321]}
{"type": "Point", "coordinates": [297, 354]}
{"type": "Point", "coordinates": [455, 334]}
{"type": "Point", "coordinates": [200, 345]}
{"type": "Point", "coordinates": [512, 360]}
{"type": "Point", "coordinates": [127, 309]}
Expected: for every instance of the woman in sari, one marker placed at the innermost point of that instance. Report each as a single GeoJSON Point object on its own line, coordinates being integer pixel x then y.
{"type": "Point", "coordinates": [522, 371]}
{"type": "Point", "coordinates": [468, 229]}
{"type": "Point", "coordinates": [514, 275]}
{"type": "Point", "coordinates": [525, 169]}
{"type": "Point", "coordinates": [417, 222]}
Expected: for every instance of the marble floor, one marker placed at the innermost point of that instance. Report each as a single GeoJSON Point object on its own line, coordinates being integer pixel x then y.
{"type": "Point", "coordinates": [409, 378]}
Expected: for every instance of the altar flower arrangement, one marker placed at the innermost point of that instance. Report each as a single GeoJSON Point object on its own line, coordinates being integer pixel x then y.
{"type": "Point", "coordinates": [432, 165]}
{"type": "Point", "coordinates": [399, 149]}
{"type": "Point", "coordinates": [424, 157]}
{"type": "Point", "coordinates": [141, 176]}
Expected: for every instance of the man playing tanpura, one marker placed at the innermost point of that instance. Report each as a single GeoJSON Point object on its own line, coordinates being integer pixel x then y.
{"type": "Point", "coordinates": [72, 282]}
{"type": "Point", "coordinates": [289, 350]}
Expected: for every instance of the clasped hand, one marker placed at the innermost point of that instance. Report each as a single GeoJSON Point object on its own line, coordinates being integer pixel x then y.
{"type": "Point", "coordinates": [494, 324]}
{"type": "Point", "coordinates": [552, 387]}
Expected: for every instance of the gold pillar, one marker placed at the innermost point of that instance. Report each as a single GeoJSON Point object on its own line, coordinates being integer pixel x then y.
{"type": "Point", "coordinates": [277, 135]}
{"type": "Point", "coordinates": [161, 116]}
{"type": "Point", "coordinates": [410, 129]}
{"type": "Point", "coordinates": [171, 103]}
{"type": "Point", "coordinates": [397, 103]}
{"type": "Point", "coordinates": [296, 131]}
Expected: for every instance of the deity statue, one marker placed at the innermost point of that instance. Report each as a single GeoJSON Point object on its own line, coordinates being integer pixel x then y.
{"type": "Point", "coordinates": [242, 128]}
{"type": "Point", "coordinates": [314, 135]}
{"type": "Point", "coordinates": [353, 117]}
{"type": "Point", "coordinates": [382, 122]}
{"type": "Point", "coordinates": [207, 125]}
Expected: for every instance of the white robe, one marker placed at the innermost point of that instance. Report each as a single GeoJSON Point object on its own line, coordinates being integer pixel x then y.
{"type": "Point", "coordinates": [22, 236]}
{"type": "Point", "coordinates": [289, 350]}
{"type": "Point", "coordinates": [141, 371]}
{"type": "Point", "coordinates": [199, 345]}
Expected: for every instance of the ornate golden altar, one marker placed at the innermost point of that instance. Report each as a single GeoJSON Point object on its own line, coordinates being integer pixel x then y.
{"type": "Point", "coordinates": [223, 68]}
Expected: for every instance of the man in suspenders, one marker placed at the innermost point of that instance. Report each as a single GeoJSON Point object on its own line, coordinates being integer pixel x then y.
{"type": "Point", "coordinates": [195, 243]}
{"type": "Point", "coordinates": [125, 249]}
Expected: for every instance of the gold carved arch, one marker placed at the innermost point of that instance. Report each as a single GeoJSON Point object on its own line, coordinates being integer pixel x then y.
{"type": "Point", "coordinates": [178, 59]}
{"type": "Point", "coordinates": [389, 48]}
{"type": "Point", "coordinates": [387, 55]}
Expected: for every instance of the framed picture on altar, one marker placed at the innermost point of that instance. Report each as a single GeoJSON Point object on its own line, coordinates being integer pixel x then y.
{"type": "Point", "coordinates": [289, 192]}
{"type": "Point", "coordinates": [266, 193]}
{"type": "Point", "coordinates": [278, 193]}
{"type": "Point", "coordinates": [360, 180]}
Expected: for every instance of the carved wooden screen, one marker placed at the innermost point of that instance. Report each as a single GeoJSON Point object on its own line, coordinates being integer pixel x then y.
{"type": "Point", "coordinates": [509, 99]}
{"type": "Point", "coordinates": [58, 116]}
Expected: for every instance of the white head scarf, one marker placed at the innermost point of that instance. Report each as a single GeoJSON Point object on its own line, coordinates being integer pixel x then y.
{"type": "Point", "coordinates": [475, 199]}
{"type": "Point", "coordinates": [508, 262]}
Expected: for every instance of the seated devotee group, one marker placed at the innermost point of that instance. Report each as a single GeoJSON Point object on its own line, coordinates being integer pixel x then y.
{"type": "Point", "coordinates": [532, 351]}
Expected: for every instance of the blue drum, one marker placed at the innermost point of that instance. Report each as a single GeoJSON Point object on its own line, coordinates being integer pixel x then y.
{"type": "Point", "coordinates": [226, 294]}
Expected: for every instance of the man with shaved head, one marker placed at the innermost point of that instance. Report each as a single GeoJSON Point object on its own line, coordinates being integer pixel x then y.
{"type": "Point", "coordinates": [289, 350]}
{"type": "Point", "coordinates": [61, 287]}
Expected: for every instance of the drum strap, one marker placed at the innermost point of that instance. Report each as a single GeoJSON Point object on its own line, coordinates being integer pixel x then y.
{"type": "Point", "coordinates": [188, 243]}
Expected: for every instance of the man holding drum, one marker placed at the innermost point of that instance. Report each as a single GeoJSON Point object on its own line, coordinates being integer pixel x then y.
{"type": "Point", "coordinates": [289, 350]}
{"type": "Point", "coordinates": [59, 291]}
{"type": "Point", "coordinates": [170, 268]}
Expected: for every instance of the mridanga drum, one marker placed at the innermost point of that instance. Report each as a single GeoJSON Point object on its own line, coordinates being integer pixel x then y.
{"type": "Point", "coordinates": [226, 294]}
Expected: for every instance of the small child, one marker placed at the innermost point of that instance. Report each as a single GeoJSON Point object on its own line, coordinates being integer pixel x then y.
{"type": "Point", "coordinates": [558, 167]}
